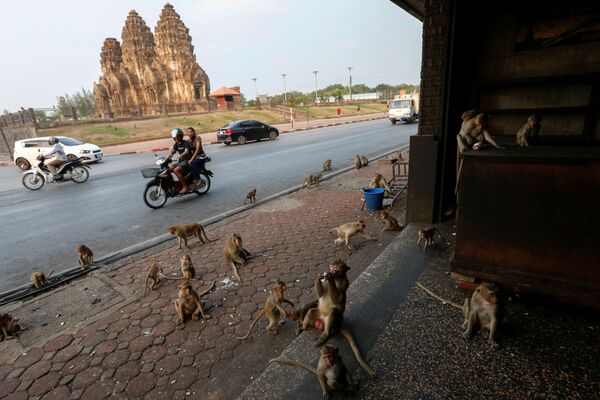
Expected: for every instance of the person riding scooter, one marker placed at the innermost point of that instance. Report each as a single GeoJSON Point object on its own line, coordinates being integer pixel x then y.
{"type": "Point", "coordinates": [183, 148]}
{"type": "Point", "coordinates": [59, 156]}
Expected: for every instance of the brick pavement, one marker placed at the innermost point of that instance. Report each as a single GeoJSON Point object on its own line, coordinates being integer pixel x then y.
{"type": "Point", "coordinates": [136, 351]}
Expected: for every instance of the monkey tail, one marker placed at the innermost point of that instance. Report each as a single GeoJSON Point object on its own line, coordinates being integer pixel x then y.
{"type": "Point", "coordinates": [169, 278]}
{"type": "Point", "coordinates": [346, 333]}
{"type": "Point", "coordinates": [145, 287]}
{"type": "Point", "coordinates": [206, 237]}
{"type": "Point", "coordinates": [260, 314]}
{"type": "Point", "coordinates": [453, 304]}
{"type": "Point", "coordinates": [211, 287]}
{"type": "Point", "coordinates": [294, 362]}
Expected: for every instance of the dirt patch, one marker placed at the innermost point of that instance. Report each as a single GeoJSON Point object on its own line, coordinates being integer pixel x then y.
{"type": "Point", "coordinates": [282, 204]}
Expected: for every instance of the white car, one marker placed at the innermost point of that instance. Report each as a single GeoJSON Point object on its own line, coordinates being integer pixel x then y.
{"type": "Point", "coordinates": [27, 150]}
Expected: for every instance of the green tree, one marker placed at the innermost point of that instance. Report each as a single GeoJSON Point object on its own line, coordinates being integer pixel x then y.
{"type": "Point", "coordinates": [83, 101]}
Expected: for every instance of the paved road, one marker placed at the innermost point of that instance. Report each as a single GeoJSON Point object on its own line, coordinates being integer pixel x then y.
{"type": "Point", "coordinates": [41, 229]}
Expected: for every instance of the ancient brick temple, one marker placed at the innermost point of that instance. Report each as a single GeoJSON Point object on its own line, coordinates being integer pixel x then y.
{"type": "Point", "coordinates": [151, 74]}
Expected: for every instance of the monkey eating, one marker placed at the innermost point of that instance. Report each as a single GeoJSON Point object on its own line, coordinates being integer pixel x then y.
{"type": "Point", "coordinates": [86, 257]}
{"type": "Point", "coordinates": [326, 166]}
{"type": "Point", "coordinates": [346, 231]}
{"type": "Point", "coordinates": [357, 162]}
{"type": "Point", "coordinates": [364, 161]}
{"type": "Point", "coordinates": [234, 253]}
{"type": "Point", "coordinates": [187, 268]}
{"type": "Point", "coordinates": [9, 327]}
{"type": "Point", "coordinates": [313, 180]}
{"type": "Point", "coordinates": [185, 230]}
{"type": "Point", "coordinates": [331, 371]}
{"type": "Point", "coordinates": [188, 302]}
{"type": "Point", "coordinates": [39, 279]}
{"type": "Point", "coordinates": [250, 196]}
{"type": "Point", "coordinates": [378, 181]}
{"type": "Point", "coordinates": [273, 309]}
{"type": "Point", "coordinates": [391, 223]}
{"type": "Point", "coordinates": [427, 235]}
{"type": "Point", "coordinates": [482, 310]}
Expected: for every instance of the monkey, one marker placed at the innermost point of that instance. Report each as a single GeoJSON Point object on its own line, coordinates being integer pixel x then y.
{"type": "Point", "coordinates": [38, 279]}
{"type": "Point", "coordinates": [188, 302]}
{"type": "Point", "coordinates": [86, 257]}
{"type": "Point", "coordinates": [234, 253]}
{"type": "Point", "coordinates": [298, 315]}
{"type": "Point", "coordinates": [529, 130]}
{"type": "Point", "coordinates": [427, 235]}
{"type": "Point", "coordinates": [313, 180]}
{"type": "Point", "coordinates": [474, 130]}
{"type": "Point", "coordinates": [187, 268]}
{"type": "Point", "coordinates": [391, 223]}
{"type": "Point", "coordinates": [326, 166]}
{"type": "Point", "coordinates": [378, 181]}
{"type": "Point", "coordinates": [9, 326]}
{"type": "Point", "coordinates": [345, 231]}
{"type": "Point", "coordinates": [272, 309]}
{"type": "Point", "coordinates": [250, 196]}
{"type": "Point", "coordinates": [331, 371]}
{"type": "Point", "coordinates": [339, 270]}
{"type": "Point", "coordinates": [482, 310]}
{"type": "Point", "coordinates": [399, 155]}
{"type": "Point", "coordinates": [183, 231]}
{"type": "Point", "coordinates": [364, 161]}
{"type": "Point", "coordinates": [154, 274]}
{"type": "Point", "coordinates": [357, 162]}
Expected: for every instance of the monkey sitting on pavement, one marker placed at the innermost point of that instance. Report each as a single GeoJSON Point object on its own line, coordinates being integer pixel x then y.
{"type": "Point", "coordinates": [39, 279]}
{"type": "Point", "coordinates": [482, 310]}
{"type": "Point", "coordinates": [185, 230]}
{"type": "Point", "coordinates": [188, 303]}
{"type": "Point", "coordinates": [273, 309]}
{"type": "Point", "coordinates": [364, 161]}
{"type": "Point", "coordinates": [235, 253]}
{"type": "Point", "coordinates": [86, 257]}
{"type": "Point", "coordinates": [8, 327]}
{"type": "Point", "coordinates": [357, 162]}
{"type": "Point", "coordinates": [331, 371]}
{"type": "Point", "coordinates": [153, 275]}
{"type": "Point", "coordinates": [427, 235]}
{"type": "Point", "coordinates": [391, 223]}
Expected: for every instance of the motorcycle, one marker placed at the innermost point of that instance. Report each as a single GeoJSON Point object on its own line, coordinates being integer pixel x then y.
{"type": "Point", "coordinates": [163, 186]}
{"type": "Point", "coordinates": [71, 170]}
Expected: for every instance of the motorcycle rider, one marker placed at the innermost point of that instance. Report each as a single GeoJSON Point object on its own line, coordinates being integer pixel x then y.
{"type": "Point", "coordinates": [58, 152]}
{"type": "Point", "coordinates": [183, 148]}
{"type": "Point", "coordinates": [198, 159]}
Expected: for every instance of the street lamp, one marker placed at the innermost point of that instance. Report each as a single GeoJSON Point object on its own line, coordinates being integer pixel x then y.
{"type": "Point", "coordinates": [350, 82]}
{"type": "Point", "coordinates": [255, 88]}
{"type": "Point", "coordinates": [316, 90]}
{"type": "Point", "coordinates": [284, 89]}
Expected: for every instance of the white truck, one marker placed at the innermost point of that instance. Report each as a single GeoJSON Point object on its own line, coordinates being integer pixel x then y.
{"type": "Point", "coordinates": [404, 108]}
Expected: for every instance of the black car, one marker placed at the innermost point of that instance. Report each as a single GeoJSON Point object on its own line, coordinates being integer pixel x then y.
{"type": "Point", "coordinates": [244, 130]}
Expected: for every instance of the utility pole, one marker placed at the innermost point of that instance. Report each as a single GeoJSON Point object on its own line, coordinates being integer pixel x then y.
{"type": "Point", "coordinates": [255, 88]}
{"type": "Point", "coordinates": [350, 82]}
{"type": "Point", "coordinates": [316, 87]}
{"type": "Point", "coordinates": [284, 89]}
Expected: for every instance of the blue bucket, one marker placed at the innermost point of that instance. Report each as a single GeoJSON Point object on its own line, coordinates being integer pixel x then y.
{"type": "Point", "coordinates": [373, 198]}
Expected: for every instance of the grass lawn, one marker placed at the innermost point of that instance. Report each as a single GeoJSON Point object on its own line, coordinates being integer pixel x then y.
{"type": "Point", "coordinates": [351, 109]}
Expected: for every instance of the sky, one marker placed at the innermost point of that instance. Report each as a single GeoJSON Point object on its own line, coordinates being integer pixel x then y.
{"type": "Point", "coordinates": [51, 48]}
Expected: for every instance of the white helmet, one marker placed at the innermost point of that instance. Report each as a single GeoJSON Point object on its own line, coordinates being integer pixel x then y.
{"type": "Point", "coordinates": [175, 132]}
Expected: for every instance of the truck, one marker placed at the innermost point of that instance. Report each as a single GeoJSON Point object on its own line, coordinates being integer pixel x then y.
{"type": "Point", "coordinates": [404, 108]}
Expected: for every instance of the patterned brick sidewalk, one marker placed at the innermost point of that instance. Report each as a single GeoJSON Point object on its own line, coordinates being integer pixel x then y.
{"type": "Point", "coordinates": [136, 350]}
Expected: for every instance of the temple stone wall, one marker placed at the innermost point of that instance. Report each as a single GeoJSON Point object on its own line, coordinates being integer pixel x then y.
{"type": "Point", "coordinates": [150, 74]}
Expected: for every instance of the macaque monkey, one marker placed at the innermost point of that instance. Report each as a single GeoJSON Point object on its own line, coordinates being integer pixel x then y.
{"type": "Point", "coordinates": [399, 155]}
{"type": "Point", "coordinates": [8, 326]}
{"type": "Point", "coordinates": [357, 162]}
{"type": "Point", "coordinates": [273, 309]}
{"type": "Point", "coordinates": [38, 279]}
{"type": "Point", "coordinates": [482, 310]}
{"type": "Point", "coordinates": [235, 253]}
{"type": "Point", "coordinates": [188, 302]}
{"type": "Point", "coordinates": [326, 166]}
{"type": "Point", "coordinates": [250, 196]}
{"type": "Point", "coordinates": [474, 130]}
{"type": "Point", "coordinates": [331, 371]}
{"type": "Point", "coordinates": [187, 268]}
{"type": "Point", "coordinates": [345, 231]}
{"type": "Point", "coordinates": [339, 270]}
{"type": "Point", "coordinates": [427, 235]}
{"type": "Point", "coordinates": [313, 180]}
{"type": "Point", "coordinates": [391, 223]}
{"type": "Point", "coordinates": [86, 257]}
{"type": "Point", "coordinates": [378, 181]}
{"type": "Point", "coordinates": [529, 130]}
{"type": "Point", "coordinates": [154, 274]}
{"type": "Point", "coordinates": [364, 161]}
{"type": "Point", "coordinates": [185, 230]}
{"type": "Point", "coordinates": [298, 315]}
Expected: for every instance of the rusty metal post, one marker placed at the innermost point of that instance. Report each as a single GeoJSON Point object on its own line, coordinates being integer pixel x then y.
{"type": "Point", "coordinates": [6, 142]}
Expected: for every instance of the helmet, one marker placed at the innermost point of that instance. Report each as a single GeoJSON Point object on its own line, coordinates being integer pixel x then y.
{"type": "Point", "coordinates": [175, 132]}
{"type": "Point", "coordinates": [52, 140]}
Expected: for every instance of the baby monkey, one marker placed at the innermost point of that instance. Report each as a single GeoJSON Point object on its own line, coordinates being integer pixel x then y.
{"type": "Point", "coordinates": [273, 309]}
{"type": "Point", "coordinates": [364, 161]}
{"type": "Point", "coordinates": [8, 326]}
{"type": "Point", "coordinates": [326, 166]}
{"type": "Point", "coordinates": [186, 230]}
{"type": "Point", "coordinates": [188, 302]}
{"type": "Point", "coordinates": [250, 196]}
{"type": "Point", "coordinates": [86, 257]}
{"type": "Point", "coordinates": [39, 279]}
{"type": "Point", "coordinates": [427, 235]}
{"type": "Point", "coordinates": [391, 223]}
{"type": "Point", "coordinates": [313, 180]}
{"type": "Point", "coordinates": [331, 371]}
{"type": "Point", "coordinates": [529, 130]}
{"type": "Point", "coordinates": [187, 268]}
{"type": "Point", "coordinates": [346, 231]}
{"type": "Point", "coordinates": [357, 162]}
{"type": "Point", "coordinates": [482, 310]}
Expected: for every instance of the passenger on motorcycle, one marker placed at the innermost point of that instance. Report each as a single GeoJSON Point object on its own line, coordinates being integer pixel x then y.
{"type": "Point", "coordinates": [198, 158]}
{"type": "Point", "coordinates": [182, 167]}
{"type": "Point", "coordinates": [59, 156]}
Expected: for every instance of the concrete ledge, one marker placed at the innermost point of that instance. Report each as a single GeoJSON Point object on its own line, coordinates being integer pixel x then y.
{"type": "Point", "coordinates": [372, 299]}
